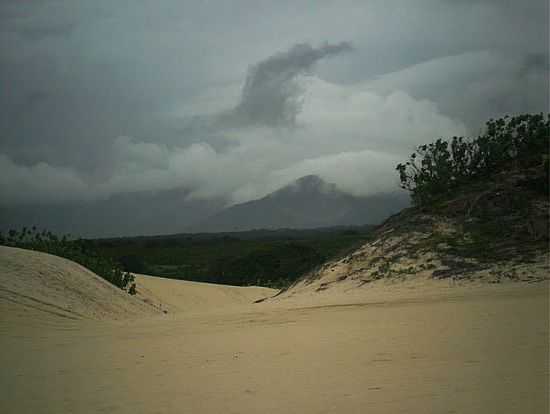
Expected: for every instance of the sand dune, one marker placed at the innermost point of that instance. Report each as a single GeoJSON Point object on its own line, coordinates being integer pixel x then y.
{"type": "Point", "coordinates": [194, 297]}
{"type": "Point", "coordinates": [38, 286]}
{"type": "Point", "coordinates": [412, 348]}
{"type": "Point", "coordinates": [35, 285]}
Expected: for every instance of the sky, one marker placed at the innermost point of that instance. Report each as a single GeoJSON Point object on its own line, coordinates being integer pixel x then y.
{"type": "Point", "coordinates": [234, 99]}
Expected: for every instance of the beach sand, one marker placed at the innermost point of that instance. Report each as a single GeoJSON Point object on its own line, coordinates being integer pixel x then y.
{"type": "Point", "coordinates": [409, 348]}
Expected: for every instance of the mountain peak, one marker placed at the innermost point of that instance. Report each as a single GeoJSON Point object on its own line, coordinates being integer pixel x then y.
{"type": "Point", "coordinates": [308, 184]}
{"type": "Point", "coordinates": [310, 181]}
{"type": "Point", "coordinates": [307, 202]}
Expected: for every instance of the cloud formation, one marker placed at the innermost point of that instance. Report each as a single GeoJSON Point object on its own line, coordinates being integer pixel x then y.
{"type": "Point", "coordinates": [477, 85]}
{"type": "Point", "coordinates": [347, 135]}
{"type": "Point", "coordinates": [271, 95]}
{"type": "Point", "coordinates": [103, 99]}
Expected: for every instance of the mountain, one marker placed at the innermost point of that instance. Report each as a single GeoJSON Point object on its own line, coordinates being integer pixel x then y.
{"type": "Point", "coordinates": [308, 202]}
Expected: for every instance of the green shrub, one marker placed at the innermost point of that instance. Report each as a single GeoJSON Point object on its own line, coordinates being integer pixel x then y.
{"type": "Point", "coordinates": [437, 169]}
{"type": "Point", "coordinates": [132, 289]}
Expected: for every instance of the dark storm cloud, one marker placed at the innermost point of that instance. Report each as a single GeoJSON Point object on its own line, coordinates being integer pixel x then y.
{"type": "Point", "coordinates": [270, 94]}
{"type": "Point", "coordinates": [537, 62]}
{"type": "Point", "coordinates": [35, 98]}
{"type": "Point", "coordinates": [476, 85]}
{"type": "Point", "coordinates": [35, 33]}
{"type": "Point", "coordinates": [37, 20]}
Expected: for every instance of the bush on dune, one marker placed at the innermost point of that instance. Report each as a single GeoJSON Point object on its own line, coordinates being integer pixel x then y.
{"type": "Point", "coordinates": [436, 170]}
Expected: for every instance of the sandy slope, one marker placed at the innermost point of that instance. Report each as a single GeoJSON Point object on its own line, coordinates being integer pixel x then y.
{"type": "Point", "coordinates": [417, 348]}
{"type": "Point", "coordinates": [194, 297]}
{"type": "Point", "coordinates": [35, 285]}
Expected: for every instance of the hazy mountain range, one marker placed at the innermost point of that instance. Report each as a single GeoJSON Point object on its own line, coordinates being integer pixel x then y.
{"type": "Point", "coordinates": [308, 202]}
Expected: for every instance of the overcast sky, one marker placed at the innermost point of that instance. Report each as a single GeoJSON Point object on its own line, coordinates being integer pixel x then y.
{"type": "Point", "coordinates": [236, 98]}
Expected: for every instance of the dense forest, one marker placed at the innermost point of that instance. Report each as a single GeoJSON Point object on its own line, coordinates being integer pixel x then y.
{"type": "Point", "coordinates": [272, 258]}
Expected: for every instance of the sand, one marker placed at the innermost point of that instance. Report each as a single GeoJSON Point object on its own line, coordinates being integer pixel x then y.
{"type": "Point", "coordinates": [36, 286]}
{"type": "Point", "coordinates": [421, 347]}
{"type": "Point", "coordinates": [179, 296]}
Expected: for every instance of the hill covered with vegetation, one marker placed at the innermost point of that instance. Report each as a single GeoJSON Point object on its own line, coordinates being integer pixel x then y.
{"type": "Point", "coordinates": [481, 213]}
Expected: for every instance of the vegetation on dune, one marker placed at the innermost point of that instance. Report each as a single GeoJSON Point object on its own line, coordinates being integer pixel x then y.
{"type": "Point", "coordinates": [480, 205]}
{"type": "Point", "coordinates": [434, 171]}
{"type": "Point", "coordinates": [79, 251]}
{"type": "Point", "coordinates": [481, 213]}
{"type": "Point", "coordinates": [494, 186]}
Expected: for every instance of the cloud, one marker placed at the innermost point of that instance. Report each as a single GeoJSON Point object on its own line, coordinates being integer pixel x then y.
{"type": "Point", "coordinates": [475, 85]}
{"type": "Point", "coordinates": [271, 94]}
{"type": "Point", "coordinates": [37, 33]}
{"type": "Point", "coordinates": [348, 135]}
{"type": "Point", "coordinates": [80, 76]}
{"type": "Point", "coordinates": [39, 183]}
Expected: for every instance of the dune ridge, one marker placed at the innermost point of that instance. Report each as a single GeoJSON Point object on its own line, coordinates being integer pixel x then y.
{"type": "Point", "coordinates": [39, 285]}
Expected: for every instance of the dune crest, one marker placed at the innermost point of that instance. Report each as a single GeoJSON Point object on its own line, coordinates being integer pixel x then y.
{"type": "Point", "coordinates": [39, 285]}
{"type": "Point", "coordinates": [35, 285]}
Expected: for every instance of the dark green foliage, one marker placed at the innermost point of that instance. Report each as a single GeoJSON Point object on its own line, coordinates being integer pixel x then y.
{"type": "Point", "coordinates": [275, 266]}
{"type": "Point", "coordinates": [273, 258]}
{"type": "Point", "coordinates": [132, 263]}
{"type": "Point", "coordinates": [128, 279]}
{"type": "Point", "coordinates": [79, 251]}
{"type": "Point", "coordinates": [436, 170]}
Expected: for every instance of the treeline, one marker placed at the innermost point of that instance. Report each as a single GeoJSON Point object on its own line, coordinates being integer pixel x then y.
{"type": "Point", "coordinates": [272, 258]}
{"type": "Point", "coordinates": [80, 251]}
{"type": "Point", "coordinates": [263, 258]}
{"type": "Point", "coordinates": [436, 170]}
{"type": "Point", "coordinates": [275, 267]}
